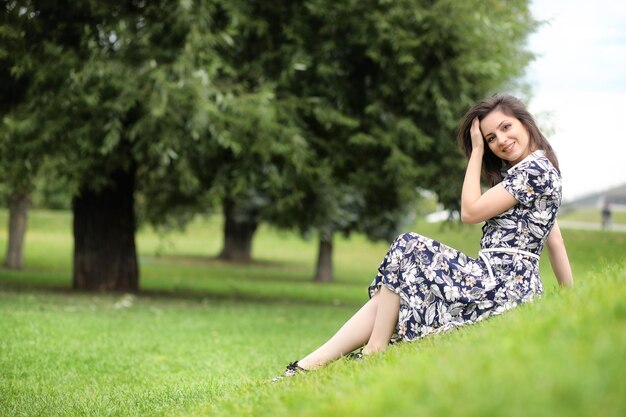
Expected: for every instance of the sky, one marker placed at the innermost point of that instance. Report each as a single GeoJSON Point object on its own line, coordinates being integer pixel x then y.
{"type": "Point", "coordinates": [579, 90]}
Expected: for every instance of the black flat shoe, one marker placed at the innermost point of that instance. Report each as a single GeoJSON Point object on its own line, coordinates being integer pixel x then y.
{"type": "Point", "coordinates": [355, 355]}
{"type": "Point", "coordinates": [292, 369]}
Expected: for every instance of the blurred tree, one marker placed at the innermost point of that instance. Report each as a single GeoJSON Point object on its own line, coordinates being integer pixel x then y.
{"type": "Point", "coordinates": [118, 96]}
{"type": "Point", "coordinates": [378, 87]}
{"type": "Point", "coordinates": [19, 164]}
{"type": "Point", "coordinates": [375, 89]}
{"type": "Point", "coordinates": [320, 115]}
{"type": "Point", "coordinates": [251, 164]}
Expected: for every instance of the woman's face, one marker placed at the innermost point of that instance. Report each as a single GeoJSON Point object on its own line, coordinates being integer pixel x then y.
{"type": "Point", "coordinates": [506, 136]}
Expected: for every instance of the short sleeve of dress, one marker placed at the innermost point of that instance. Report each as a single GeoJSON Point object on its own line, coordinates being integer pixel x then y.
{"type": "Point", "coordinates": [528, 182]}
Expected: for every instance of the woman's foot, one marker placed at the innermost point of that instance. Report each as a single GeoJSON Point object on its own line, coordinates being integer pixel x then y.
{"type": "Point", "coordinates": [370, 350]}
{"type": "Point", "coordinates": [357, 355]}
{"type": "Point", "coordinates": [292, 369]}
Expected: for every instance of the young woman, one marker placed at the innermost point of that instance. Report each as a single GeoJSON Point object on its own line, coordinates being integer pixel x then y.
{"type": "Point", "coordinates": [424, 287]}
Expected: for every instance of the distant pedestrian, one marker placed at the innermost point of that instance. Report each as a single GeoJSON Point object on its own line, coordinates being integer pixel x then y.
{"type": "Point", "coordinates": [606, 215]}
{"type": "Point", "coordinates": [424, 287]}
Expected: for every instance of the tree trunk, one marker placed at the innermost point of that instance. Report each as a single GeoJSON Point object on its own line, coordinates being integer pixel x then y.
{"type": "Point", "coordinates": [237, 235]}
{"type": "Point", "coordinates": [18, 217]}
{"type": "Point", "coordinates": [324, 270]}
{"type": "Point", "coordinates": [105, 256]}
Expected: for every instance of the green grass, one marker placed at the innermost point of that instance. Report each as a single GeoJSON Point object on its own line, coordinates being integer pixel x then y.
{"type": "Point", "coordinates": [204, 337]}
{"type": "Point", "coordinates": [593, 216]}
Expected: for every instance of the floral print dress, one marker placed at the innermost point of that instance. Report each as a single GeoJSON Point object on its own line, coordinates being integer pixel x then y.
{"type": "Point", "coordinates": [441, 288]}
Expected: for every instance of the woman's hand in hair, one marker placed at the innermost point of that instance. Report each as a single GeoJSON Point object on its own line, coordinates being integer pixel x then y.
{"type": "Point", "coordinates": [478, 143]}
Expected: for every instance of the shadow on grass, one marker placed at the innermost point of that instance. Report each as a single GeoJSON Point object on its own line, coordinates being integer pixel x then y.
{"type": "Point", "coordinates": [199, 260]}
{"type": "Point", "coordinates": [191, 295]}
{"type": "Point", "coordinates": [207, 296]}
{"type": "Point", "coordinates": [197, 278]}
{"type": "Point", "coordinates": [255, 271]}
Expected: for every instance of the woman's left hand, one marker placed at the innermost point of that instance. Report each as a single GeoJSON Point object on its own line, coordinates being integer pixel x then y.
{"type": "Point", "coordinates": [476, 135]}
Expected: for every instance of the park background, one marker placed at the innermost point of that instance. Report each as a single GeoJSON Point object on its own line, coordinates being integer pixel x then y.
{"type": "Point", "coordinates": [180, 176]}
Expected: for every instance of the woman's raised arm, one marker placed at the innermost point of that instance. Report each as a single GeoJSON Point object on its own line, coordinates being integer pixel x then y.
{"type": "Point", "coordinates": [475, 206]}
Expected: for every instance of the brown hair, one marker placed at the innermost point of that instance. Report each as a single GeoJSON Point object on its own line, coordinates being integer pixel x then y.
{"type": "Point", "coordinates": [511, 106]}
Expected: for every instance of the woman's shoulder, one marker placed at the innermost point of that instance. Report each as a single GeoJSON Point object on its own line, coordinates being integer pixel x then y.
{"type": "Point", "coordinates": [542, 166]}
{"type": "Point", "coordinates": [535, 164]}
{"type": "Point", "coordinates": [533, 177]}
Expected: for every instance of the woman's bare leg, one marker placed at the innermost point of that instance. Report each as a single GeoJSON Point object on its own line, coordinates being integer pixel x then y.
{"type": "Point", "coordinates": [385, 322]}
{"type": "Point", "coordinates": [353, 334]}
{"type": "Point", "coordinates": [373, 324]}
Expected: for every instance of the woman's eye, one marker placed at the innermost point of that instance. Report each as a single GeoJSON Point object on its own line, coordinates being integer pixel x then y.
{"type": "Point", "coordinates": [506, 127]}
{"type": "Point", "coordinates": [490, 139]}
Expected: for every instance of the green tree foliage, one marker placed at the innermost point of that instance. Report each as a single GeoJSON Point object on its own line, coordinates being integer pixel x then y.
{"type": "Point", "coordinates": [116, 95]}
{"type": "Point", "coordinates": [377, 88]}
{"type": "Point", "coordinates": [256, 153]}
{"type": "Point", "coordinates": [320, 115]}
{"type": "Point", "coordinates": [19, 164]}
{"type": "Point", "coordinates": [250, 163]}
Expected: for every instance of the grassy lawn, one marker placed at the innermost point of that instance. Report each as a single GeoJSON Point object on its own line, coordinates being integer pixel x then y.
{"type": "Point", "coordinates": [204, 337]}
{"type": "Point", "coordinates": [593, 216]}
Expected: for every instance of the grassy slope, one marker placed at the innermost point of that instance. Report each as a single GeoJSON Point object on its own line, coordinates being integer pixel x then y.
{"type": "Point", "coordinates": [563, 356]}
{"type": "Point", "coordinates": [205, 337]}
